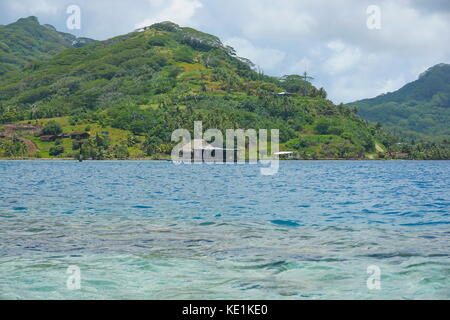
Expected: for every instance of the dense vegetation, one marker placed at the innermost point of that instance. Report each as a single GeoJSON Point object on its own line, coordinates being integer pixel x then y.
{"type": "Point", "coordinates": [130, 92]}
{"type": "Point", "coordinates": [419, 110]}
{"type": "Point", "coordinates": [11, 148]}
{"type": "Point", "coordinates": [26, 40]}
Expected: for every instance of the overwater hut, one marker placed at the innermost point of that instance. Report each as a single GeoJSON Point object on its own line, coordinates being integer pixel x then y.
{"type": "Point", "coordinates": [202, 151]}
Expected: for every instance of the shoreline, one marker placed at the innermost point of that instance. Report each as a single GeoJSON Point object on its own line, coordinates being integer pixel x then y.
{"type": "Point", "coordinates": [169, 160]}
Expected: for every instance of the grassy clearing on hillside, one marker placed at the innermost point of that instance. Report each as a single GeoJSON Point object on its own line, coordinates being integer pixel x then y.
{"type": "Point", "coordinates": [116, 137]}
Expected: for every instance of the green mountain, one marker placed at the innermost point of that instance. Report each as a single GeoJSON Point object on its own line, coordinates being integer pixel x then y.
{"type": "Point", "coordinates": [420, 109]}
{"type": "Point", "coordinates": [26, 40]}
{"type": "Point", "coordinates": [141, 86]}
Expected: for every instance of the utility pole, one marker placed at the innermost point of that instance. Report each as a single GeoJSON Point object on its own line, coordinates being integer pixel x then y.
{"type": "Point", "coordinates": [305, 78]}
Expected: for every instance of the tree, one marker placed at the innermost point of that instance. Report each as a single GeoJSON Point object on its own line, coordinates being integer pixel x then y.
{"type": "Point", "coordinates": [120, 151]}
{"type": "Point", "coordinates": [12, 147]}
{"type": "Point", "coordinates": [322, 93]}
{"type": "Point", "coordinates": [322, 126]}
{"type": "Point", "coordinates": [52, 128]}
{"type": "Point", "coordinates": [151, 145]}
{"type": "Point", "coordinates": [56, 150]}
{"type": "Point", "coordinates": [95, 148]}
{"type": "Point", "coordinates": [295, 83]}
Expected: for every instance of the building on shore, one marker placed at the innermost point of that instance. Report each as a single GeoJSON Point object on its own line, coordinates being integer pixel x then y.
{"type": "Point", "coordinates": [400, 155]}
{"type": "Point", "coordinates": [285, 154]}
{"type": "Point", "coordinates": [48, 138]}
{"type": "Point", "coordinates": [283, 94]}
{"type": "Point", "coordinates": [79, 135]}
{"type": "Point", "coordinates": [202, 151]}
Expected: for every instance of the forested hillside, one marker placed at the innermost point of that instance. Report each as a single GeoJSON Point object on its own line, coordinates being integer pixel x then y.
{"type": "Point", "coordinates": [26, 40]}
{"type": "Point", "coordinates": [419, 110]}
{"type": "Point", "coordinates": [130, 92]}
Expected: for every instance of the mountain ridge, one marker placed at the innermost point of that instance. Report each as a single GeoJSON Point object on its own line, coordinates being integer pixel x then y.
{"type": "Point", "coordinates": [26, 40]}
{"type": "Point", "coordinates": [418, 110]}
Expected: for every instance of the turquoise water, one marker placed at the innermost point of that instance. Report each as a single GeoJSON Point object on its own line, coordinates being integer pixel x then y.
{"type": "Point", "coordinates": [154, 230]}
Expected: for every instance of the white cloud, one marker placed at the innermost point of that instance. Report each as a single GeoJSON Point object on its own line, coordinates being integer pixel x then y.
{"type": "Point", "coordinates": [178, 11]}
{"type": "Point", "coordinates": [336, 45]}
{"type": "Point", "coordinates": [392, 85]}
{"type": "Point", "coordinates": [277, 20]}
{"type": "Point", "coordinates": [33, 7]}
{"type": "Point", "coordinates": [342, 58]}
{"type": "Point", "coordinates": [266, 58]}
{"type": "Point", "coordinates": [350, 87]}
{"type": "Point", "coordinates": [407, 28]}
{"type": "Point", "coordinates": [304, 64]}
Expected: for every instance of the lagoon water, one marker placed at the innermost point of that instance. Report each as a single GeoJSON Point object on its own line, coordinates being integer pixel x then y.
{"type": "Point", "coordinates": [156, 230]}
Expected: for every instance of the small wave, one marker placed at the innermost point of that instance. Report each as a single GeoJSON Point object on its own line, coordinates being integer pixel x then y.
{"type": "Point", "coordinates": [427, 263]}
{"type": "Point", "coordinates": [337, 228]}
{"type": "Point", "coordinates": [389, 255]}
{"type": "Point", "coordinates": [286, 223]}
{"type": "Point", "coordinates": [208, 223]}
{"type": "Point", "coordinates": [142, 207]}
{"type": "Point", "coordinates": [20, 208]}
{"type": "Point", "coordinates": [198, 240]}
{"type": "Point", "coordinates": [424, 223]}
{"type": "Point", "coordinates": [271, 265]}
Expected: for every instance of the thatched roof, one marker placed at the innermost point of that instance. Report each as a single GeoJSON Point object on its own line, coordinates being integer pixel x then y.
{"type": "Point", "coordinates": [201, 144]}
{"type": "Point", "coordinates": [49, 137]}
{"type": "Point", "coordinates": [79, 133]}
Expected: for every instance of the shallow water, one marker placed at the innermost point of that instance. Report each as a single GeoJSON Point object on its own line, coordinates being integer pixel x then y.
{"type": "Point", "coordinates": [155, 230]}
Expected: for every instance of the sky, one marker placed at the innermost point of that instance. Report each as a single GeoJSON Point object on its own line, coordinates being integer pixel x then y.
{"type": "Point", "coordinates": [355, 49]}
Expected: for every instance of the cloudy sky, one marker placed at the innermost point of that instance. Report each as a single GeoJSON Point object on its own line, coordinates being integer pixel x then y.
{"type": "Point", "coordinates": [328, 38]}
